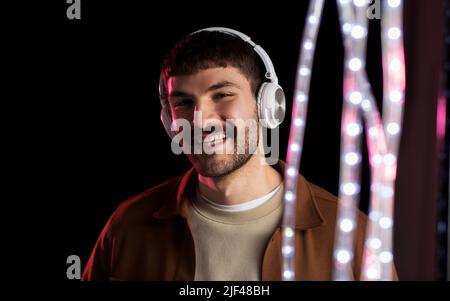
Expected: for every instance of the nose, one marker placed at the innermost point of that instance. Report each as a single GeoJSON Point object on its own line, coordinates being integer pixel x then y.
{"type": "Point", "coordinates": [206, 116]}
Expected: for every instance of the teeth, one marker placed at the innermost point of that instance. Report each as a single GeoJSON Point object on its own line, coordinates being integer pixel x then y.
{"type": "Point", "coordinates": [214, 138]}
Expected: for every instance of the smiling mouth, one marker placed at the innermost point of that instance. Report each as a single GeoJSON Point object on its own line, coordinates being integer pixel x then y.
{"type": "Point", "coordinates": [213, 139]}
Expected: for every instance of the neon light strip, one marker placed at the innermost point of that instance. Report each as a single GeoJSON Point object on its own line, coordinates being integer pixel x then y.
{"type": "Point", "coordinates": [295, 143]}
{"type": "Point", "coordinates": [378, 257]}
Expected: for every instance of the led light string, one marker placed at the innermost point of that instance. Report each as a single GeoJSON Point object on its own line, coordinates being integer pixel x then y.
{"type": "Point", "coordinates": [378, 255]}
{"type": "Point", "coordinates": [296, 134]}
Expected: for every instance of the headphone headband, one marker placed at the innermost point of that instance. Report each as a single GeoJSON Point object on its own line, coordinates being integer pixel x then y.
{"type": "Point", "coordinates": [270, 70]}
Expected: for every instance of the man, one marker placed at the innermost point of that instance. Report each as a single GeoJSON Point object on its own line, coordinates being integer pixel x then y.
{"type": "Point", "coordinates": [221, 219]}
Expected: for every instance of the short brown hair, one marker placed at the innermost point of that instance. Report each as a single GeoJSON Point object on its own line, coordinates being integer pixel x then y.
{"type": "Point", "coordinates": [209, 49]}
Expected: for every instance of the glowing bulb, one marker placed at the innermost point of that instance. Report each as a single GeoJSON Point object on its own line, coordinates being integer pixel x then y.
{"type": "Point", "coordinates": [353, 129]}
{"type": "Point", "coordinates": [394, 33]}
{"type": "Point", "coordinates": [346, 225]}
{"type": "Point", "coordinates": [358, 32]}
{"type": "Point", "coordinates": [393, 128]}
{"type": "Point", "coordinates": [288, 232]}
{"type": "Point", "coordinates": [291, 171]}
{"type": "Point", "coordinates": [308, 45]}
{"type": "Point", "coordinates": [355, 97]}
{"type": "Point", "coordinates": [346, 27]}
{"type": "Point", "coordinates": [385, 222]}
{"type": "Point", "coordinates": [304, 71]}
{"type": "Point", "coordinates": [372, 273]}
{"type": "Point", "coordinates": [312, 20]}
{"type": "Point", "coordinates": [355, 64]}
{"type": "Point", "coordinates": [374, 243]}
{"type": "Point", "coordinates": [395, 96]}
{"type": "Point", "coordinates": [288, 274]}
{"type": "Point", "coordinates": [352, 158]}
{"type": "Point", "coordinates": [350, 188]}
{"type": "Point", "coordinates": [289, 196]}
{"type": "Point", "coordinates": [359, 3]}
{"type": "Point", "coordinates": [294, 147]}
{"type": "Point", "coordinates": [385, 257]}
{"type": "Point", "coordinates": [343, 256]}
{"type": "Point", "coordinates": [377, 159]}
{"type": "Point", "coordinates": [301, 97]}
{"type": "Point", "coordinates": [395, 65]}
{"type": "Point", "coordinates": [365, 104]}
{"type": "Point", "coordinates": [298, 122]}
{"type": "Point", "coordinates": [394, 3]}
{"type": "Point", "coordinates": [287, 250]}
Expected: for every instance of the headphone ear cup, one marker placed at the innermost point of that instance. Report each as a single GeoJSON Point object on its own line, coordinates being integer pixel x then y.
{"type": "Point", "coordinates": [166, 119]}
{"type": "Point", "coordinates": [271, 105]}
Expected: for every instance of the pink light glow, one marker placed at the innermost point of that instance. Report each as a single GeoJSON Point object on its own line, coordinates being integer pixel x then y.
{"type": "Point", "coordinates": [440, 119]}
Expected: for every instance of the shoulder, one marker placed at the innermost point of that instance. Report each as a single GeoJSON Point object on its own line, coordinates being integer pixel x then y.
{"type": "Point", "coordinates": [139, 209]}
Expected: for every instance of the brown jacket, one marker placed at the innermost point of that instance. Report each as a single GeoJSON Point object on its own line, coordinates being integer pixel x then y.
{"type": "Point", "coordinates": [148, 238]}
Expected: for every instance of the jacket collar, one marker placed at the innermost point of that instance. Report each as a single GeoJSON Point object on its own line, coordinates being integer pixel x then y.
{"type": "Point", "coordinates": [308, 213]}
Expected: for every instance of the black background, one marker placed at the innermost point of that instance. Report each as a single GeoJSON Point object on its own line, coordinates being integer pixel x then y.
{"type": "Point", "coordinates": [101, 117]}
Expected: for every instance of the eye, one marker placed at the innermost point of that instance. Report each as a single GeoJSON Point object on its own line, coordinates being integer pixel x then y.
{"type": "Point", "coordinates": [222, 95]}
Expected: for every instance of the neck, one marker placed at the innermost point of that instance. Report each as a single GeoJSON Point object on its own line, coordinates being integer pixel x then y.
{"type": "Point", "coordinates": [253, 180]}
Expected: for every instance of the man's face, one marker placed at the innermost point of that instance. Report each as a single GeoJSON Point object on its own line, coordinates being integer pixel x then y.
{"type": "Point", "coordinates": [224, 98]}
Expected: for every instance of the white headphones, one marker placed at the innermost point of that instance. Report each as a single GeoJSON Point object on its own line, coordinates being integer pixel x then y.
{"type": "Point", "coordinates": [271, 101]}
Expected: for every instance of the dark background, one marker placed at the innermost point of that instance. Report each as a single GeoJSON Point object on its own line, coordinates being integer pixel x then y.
{"type": "Point", "coordinates": [107, 141]}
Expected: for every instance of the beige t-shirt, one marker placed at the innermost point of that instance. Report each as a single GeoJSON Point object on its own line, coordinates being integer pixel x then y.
{"type": "Point", "coordinates": [230, 245]}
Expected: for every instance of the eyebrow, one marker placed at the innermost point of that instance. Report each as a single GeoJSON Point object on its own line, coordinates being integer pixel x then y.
{"type": "Point", "coordinates": [216, 86]}
{"type": "Point", "coordinates": [222, 84]}
{"type": "Point", "coordinates": [179, 94]}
